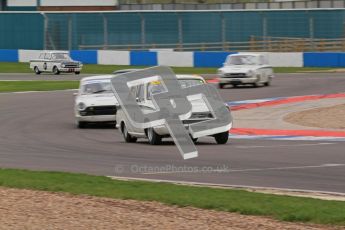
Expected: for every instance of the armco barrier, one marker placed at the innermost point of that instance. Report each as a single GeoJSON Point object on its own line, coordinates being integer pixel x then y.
{"type": "Point", "coordinates": [9, 56]}
{"type": "Point", "coordinates": [146, 58]}
{"type": "Point", "coordinates": [85, 56]}
{"type": "Point", "coordinates": [210, 59]}
{"type": "Point", "coordinates": [285, 59]}
{"type": "Point", "coordinates": [324, 59]}
{"type": "Point", "coordinates": [27, 55]}
{"type": "Point", "coordinates": [109, 57]}
{"type": "Point", "coordinates": [183, 59]}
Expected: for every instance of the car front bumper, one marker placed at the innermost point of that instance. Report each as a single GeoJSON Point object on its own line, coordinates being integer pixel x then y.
{"type": "Point", "coordinates": [238, 80]}
{"type": "Point", "coordinates": [97, 118]}
{"type": "Point", "coordinates": [163, 130]}
{"type": "Point", "coordinates": [69, 70]}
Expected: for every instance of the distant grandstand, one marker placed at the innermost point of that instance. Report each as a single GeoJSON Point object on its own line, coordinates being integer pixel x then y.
{"type": "Point", "coordinates": [257, 30]}
{"type": "Point", "coordinates": [59, 5]}
{"type": "Point", "coordinates": [155, 5]}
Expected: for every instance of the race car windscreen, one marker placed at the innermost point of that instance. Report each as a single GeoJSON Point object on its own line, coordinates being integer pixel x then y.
{"type": "Point", "coordinates": [242, 60]}
{"type": "Point", "coordinates": [157, 87]}
{"type": "Point", "coordinates": [96, 87]}
{"type": "Point", "coordinates": [60, 56]}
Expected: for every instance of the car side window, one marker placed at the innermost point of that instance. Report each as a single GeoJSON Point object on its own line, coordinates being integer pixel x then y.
{"type": "Point", "coordinates": [140, 93]}
{"type": "Point", "coordinates": [47, 56]}
{"type": "Point", "coordinates": [133, 91]}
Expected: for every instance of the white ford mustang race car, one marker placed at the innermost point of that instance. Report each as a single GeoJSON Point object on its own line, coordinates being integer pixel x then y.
{"type": "Point", "coordinates": [95, 102]}
{"type": "Point", "coordinates": [142, 93]}
{"type": "Point", "coordinates": [241, 69]}
{"type": "Point", "coordinates": [55, 62]}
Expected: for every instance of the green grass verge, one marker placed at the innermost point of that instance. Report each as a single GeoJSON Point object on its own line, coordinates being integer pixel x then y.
{"type": "Point", "coordinates": [19, 86]}
{"type": "Point", "coordinates": [284, 208]}
{"type": "Point", "coordinates": [300, 69]}
{"type": "Point", "coordinates": [11, 67]}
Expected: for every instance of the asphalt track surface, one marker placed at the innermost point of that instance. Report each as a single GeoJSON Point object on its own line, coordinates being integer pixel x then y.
{"type": "Point", "coordinates": [37, 131]}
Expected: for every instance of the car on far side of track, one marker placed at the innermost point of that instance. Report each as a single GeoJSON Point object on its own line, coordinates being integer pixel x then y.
{"type": "Point", "coordinates": [55, 62]}
{"type": "Point", "coordinates": [95, 101]}
{"type": "Point", "coordinates": [143, 94]}
{"type": "Point", "coordinates": [245, 69]}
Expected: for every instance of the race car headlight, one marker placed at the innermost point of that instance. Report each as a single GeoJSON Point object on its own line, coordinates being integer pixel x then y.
{"type": "Point", "coordinates": [250, 73]}
{"type": "Point", "coordinates": [220, 72]}
{"type": "Point", "coordinates": [81, 106]}
{"type": "Point", "coordinates": [63, 65]}
{"type": "Point", "coordinates": [227, 106]}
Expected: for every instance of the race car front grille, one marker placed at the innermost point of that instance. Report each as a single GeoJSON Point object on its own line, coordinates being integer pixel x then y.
{"type": "Point", "coordinates": [71, 65]}
{"type": "Point", "coordinates": [98, 110]}
{"type": "Point", "coordinates": [191, 121]}
{"type": "Point", "coordinates": [201, 115]}
{"type": "Point", "coordinates": [198, 117]}
{"type": "Point", "coordinates": [235, 75]}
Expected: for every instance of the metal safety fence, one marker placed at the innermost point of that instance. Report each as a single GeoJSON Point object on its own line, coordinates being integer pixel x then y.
{"type": "Point", "coordinates": [176, 30]}
{"type": "Point", "coordinates": [267, 44]}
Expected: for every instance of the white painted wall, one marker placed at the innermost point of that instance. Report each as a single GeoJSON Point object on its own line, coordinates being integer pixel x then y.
{"type": "Point", "coordinates": [78, 3]}
{"type": "Point", "coordinates": [285, 59]}
{"type": "Point", "coordinates": [109, 57]}
{"type": "Point", "coordinates": [182, 59]}
{"type": "Point", "coordinates": [27, 55]}
{"type": "Point", "coordinates": [21, 2]}
{"type": "Point", "coordinates": [169, 58]}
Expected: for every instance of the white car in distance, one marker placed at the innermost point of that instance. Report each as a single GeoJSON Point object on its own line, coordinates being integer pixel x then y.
{"type": "Point", "coordinates": [95, 101]}
{"type": "Point", "coordinates": [55, 62]}
{"type": "Point", "coordinates": [243, 69]}
{"type": "Point", "coordinates": [142, 93]}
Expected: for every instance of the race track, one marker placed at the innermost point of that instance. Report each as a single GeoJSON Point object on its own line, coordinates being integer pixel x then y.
{"type": "Point", "coordinates": [37, 131]}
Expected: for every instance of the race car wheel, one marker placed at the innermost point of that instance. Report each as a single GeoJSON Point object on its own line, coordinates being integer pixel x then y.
{"type": "Point", "coordinates": [222, 138]}
{"type": "Point", "coordinates": [81, 124]}
{"type": "Point", "coordinates": [37, 71]}
{"type": "Point", "coordinates": [154, 138]}
{"type": "Point", "coordinates": [193, 139]}
{"type": "Point", "coordinates": [221, 86]}
{"type": "Point", "coordinates": [128, 137]}
{"type": "Point", "coordinates": [268, 83]}
{"type": "Point", "coordinates": [78, 72]}
{"type": "Point", "coordinates": [56, 70]}
{"type": "Point", "coordinates": [256, 84]}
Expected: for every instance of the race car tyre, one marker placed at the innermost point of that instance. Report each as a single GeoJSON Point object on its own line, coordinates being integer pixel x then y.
{"type": "Point", "coordinates": [268, 83]}
{"type": "Point", "coordinates": [37, 71]}
{"type": "Point", "coordinates": [56, 71]}
{"type": "Point", "coordinates": [81, 124]}
{"type": "Point", "coordinates": [128, 137]}
{"type": "Point", "coordinates": [193, 139]}
{"type": "Point", "coordinates": [222, 138]}
{"type": "Point", "coordinates": [221, 86]}
{"type": "Point", "coordinates": [78, 72]}
{"type": "Point", "coordinates": [154, 138]}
